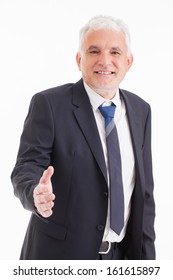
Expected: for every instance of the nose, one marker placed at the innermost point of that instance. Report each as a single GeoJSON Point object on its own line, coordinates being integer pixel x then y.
{"type": "Point", "coordinates": [105, 59]}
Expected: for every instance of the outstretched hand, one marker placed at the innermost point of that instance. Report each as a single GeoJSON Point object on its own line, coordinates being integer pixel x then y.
{"type": "Point", "coordinates": [43, 194]}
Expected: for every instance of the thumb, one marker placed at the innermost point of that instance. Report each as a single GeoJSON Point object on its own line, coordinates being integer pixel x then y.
{"type": "Point", "coordinates": [47, 174]}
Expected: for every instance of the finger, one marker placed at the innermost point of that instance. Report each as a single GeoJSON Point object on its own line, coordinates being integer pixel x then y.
{"type": "Point", "coordinates": [45, 209]}
{"type": "Point", "coordinates": [45, 206]}
{"type": "Point", "coordinates": [47, 174]}
{"type": "Point", "coordinates": [47, 213]}
{"type": "Point", "coordinates": [41, 189]}
{"type": "Point", "coordinates": [42, 198]}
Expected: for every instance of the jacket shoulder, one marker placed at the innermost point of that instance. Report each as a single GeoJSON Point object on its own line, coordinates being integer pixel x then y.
{"type": "Point", "coordinates": [58, 90]}
{"type": "Point", "coordinates": [134, 100]}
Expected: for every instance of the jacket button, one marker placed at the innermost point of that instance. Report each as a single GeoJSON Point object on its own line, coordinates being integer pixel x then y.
{"type": "Point", "coordinates": [100, 227]}
{"type": "Point", "coordinates": [106, 194]}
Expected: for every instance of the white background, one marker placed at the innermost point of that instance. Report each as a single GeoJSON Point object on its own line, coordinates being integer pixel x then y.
{"type": "Point", "coordinates": [38, 44]}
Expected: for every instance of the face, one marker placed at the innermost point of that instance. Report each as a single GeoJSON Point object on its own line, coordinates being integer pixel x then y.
{"type": "Point", "coordinates": [104, 61]}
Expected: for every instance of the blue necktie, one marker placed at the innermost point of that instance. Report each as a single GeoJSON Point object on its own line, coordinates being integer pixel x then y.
{"type": "Point", "coordinates": [115, 172]}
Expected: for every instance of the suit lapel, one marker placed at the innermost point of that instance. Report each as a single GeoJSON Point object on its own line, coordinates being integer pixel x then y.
{"type": "Point", "coordinates": [133, 121]}
{"type": "Point", "coordinates": [85, 118]}
{"type": "Point", "coordinates": [137, 138]}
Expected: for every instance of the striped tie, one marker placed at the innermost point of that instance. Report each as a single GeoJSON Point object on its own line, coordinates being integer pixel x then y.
{"type": "Point", "coordinates": [115, 173]}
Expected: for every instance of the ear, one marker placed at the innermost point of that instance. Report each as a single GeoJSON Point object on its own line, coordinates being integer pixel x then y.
{"type": "Point", "coordinates": [129, 62]}
{"type": "Point", "coordinates": [78, 60]}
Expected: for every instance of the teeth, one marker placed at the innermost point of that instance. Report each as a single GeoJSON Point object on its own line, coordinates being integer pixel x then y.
{"type": "Point", "coordinates": [104, 73]}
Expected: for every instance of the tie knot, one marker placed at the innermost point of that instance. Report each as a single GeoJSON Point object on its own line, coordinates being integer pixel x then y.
{"type": "Point", "coordinates": [107, 112]}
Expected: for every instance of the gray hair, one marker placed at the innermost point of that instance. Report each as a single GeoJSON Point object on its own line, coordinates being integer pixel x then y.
{"type": "Point", "coordinates": [105, 22]}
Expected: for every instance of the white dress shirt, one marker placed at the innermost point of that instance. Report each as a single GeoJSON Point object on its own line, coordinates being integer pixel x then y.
{"type": "Point", "coordinates": [126, 150]}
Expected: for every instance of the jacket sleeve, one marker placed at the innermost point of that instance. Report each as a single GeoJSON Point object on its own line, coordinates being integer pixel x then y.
{"type": "Point", "coordinates": [34, 150]}
{"type": "Point", "coordinates": [148, 248]}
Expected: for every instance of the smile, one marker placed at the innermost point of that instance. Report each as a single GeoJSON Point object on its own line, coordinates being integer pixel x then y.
{"type": "Point", "coordinates": [104, 72]}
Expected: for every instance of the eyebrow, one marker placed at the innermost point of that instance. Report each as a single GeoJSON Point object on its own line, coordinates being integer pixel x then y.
{"type": "Point", "coordinates": [92, 47]}
{"type": "Point", "coordinates": [116, 49]}
{"type": "Point", "coordinates": [96, 47]}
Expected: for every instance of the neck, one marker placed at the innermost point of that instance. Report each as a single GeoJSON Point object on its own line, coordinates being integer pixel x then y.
{"type": "Point", "coordinates": [106, 94]}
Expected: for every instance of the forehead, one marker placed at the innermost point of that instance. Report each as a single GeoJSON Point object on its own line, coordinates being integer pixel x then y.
{"type": "Point", "coordinates": [104, 37]}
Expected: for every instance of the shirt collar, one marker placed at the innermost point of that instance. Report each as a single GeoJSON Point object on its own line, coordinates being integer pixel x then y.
{"type": "Point", "coordinates": [96, 100]}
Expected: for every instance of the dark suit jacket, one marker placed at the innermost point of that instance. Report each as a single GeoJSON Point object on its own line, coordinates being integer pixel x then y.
{"type": "Point", "coordinates": [60, 130]}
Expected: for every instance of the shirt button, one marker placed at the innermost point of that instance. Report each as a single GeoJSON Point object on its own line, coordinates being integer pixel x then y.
{"type": "Point", "coordinates": [100, 227]}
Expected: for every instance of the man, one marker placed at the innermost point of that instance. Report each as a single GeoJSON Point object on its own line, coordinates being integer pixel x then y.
{"type": "Point", "coordinates": [63, 170]}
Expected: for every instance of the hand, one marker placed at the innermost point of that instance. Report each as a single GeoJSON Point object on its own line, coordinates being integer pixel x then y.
{"type": "Point", "coordinates": [43, 194]}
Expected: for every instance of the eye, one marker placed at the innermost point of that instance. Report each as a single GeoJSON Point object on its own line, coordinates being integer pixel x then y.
{"type": "Point", "coordinates": [94, 52]}
{"type": "Point", "coordinates": [116, 53]}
